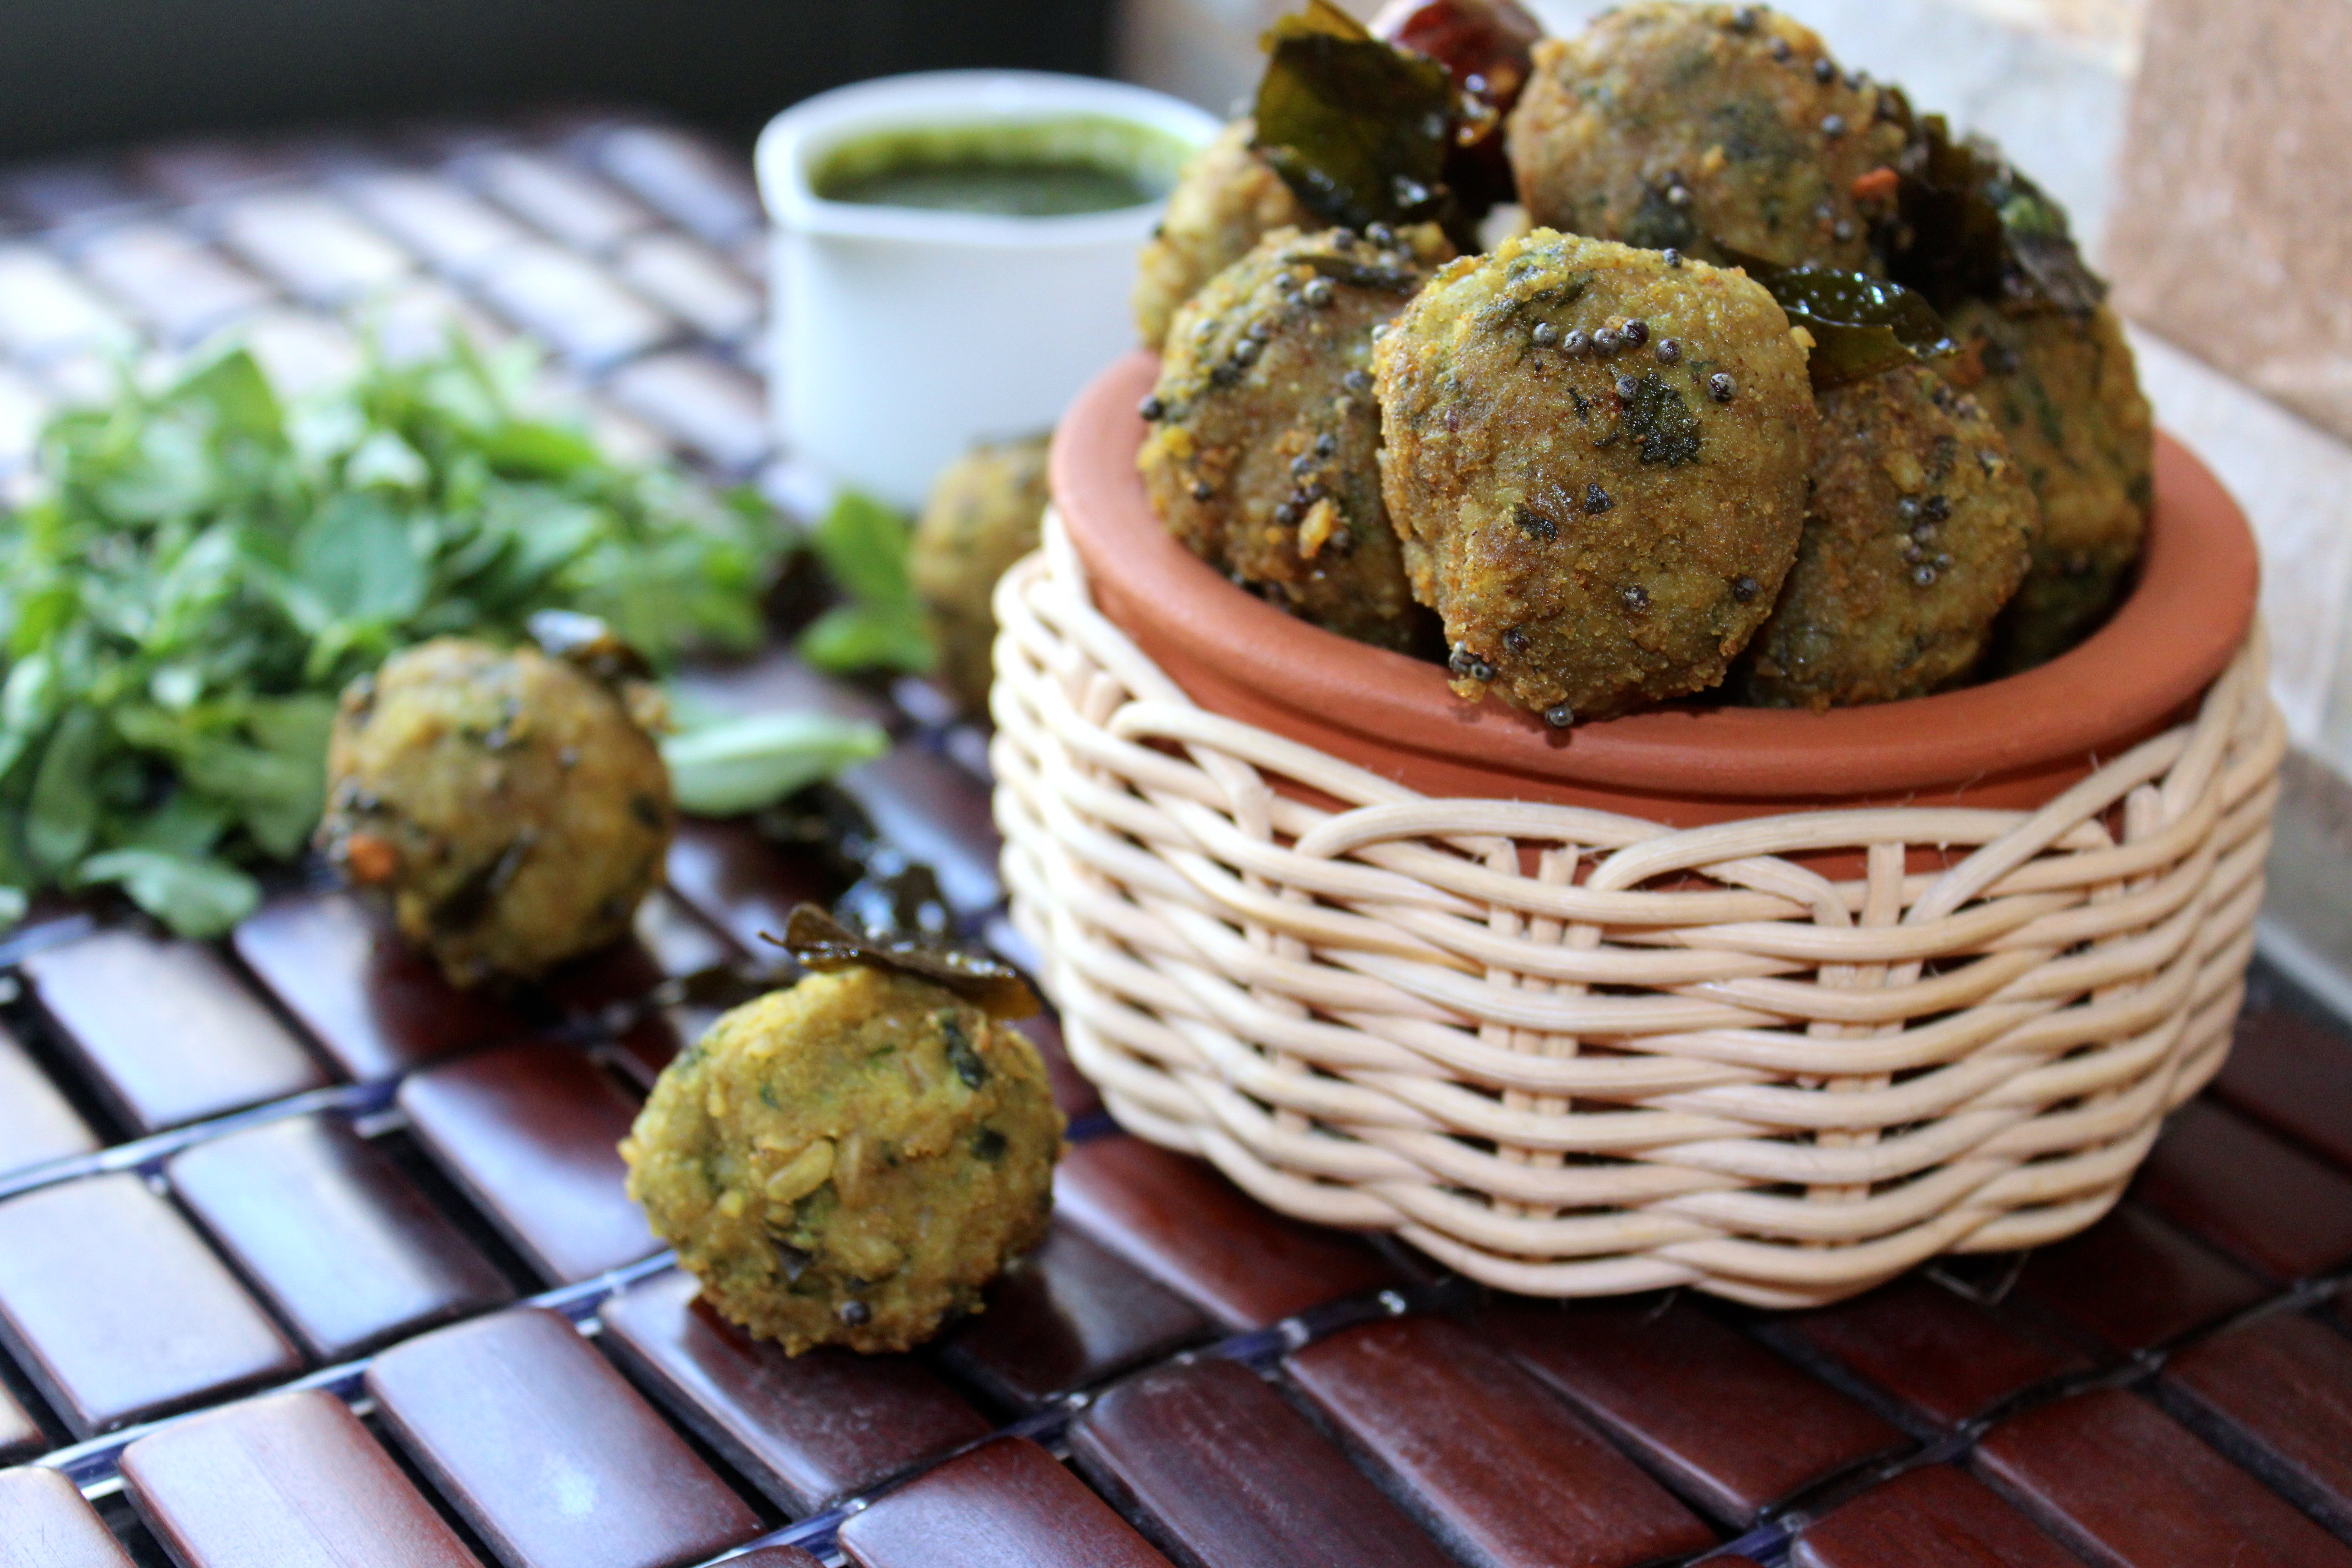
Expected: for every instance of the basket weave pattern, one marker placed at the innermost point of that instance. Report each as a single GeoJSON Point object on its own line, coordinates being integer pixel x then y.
{"type": "Point", "coordinates": [1573, 1053]}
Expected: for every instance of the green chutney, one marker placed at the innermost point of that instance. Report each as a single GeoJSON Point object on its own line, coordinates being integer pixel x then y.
{"type": "Point", "coordinates": [1040, 168]}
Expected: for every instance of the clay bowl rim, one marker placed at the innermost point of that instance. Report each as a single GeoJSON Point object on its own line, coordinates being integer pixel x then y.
{"type": "Point", "coordinates": [2185, 618]}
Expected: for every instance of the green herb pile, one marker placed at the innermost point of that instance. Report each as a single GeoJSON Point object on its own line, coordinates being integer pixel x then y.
{"type": "Point", "coordinates": [208, 566]}
{"type": "Point", "coordinates": [878, 622]}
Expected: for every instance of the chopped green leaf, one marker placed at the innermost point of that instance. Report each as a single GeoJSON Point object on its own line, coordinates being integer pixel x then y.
{"type": "Point", "coordinates": [863, 544]}
{"type": "Point", "coordinates": [63, 812]}
{"type": "Point", "coordinates": [1357, 128]}
{"type": "Point", "coordinates": [879, 626]}
{"type": "Point", "coordinates": [195, 897]}
{"type": "Point", "coordinates": [850, 637]}
{"type": "Point", "coordinates": [743, 764]}
{"type": "Point", "coordinates": [356, 559]}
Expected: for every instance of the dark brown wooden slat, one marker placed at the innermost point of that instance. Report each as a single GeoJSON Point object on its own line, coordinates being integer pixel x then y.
{"type": "Point", "coordinates": [2258, 1199]}
{"type": "Point", "coordinates": [37, 1124]}
{"type": "Point", "coordinates": [167, 1032]}
{"type": "Point", "coordinates": [21, 1437]}
{"type": "Point", "coordinates": [653, 1041]}
{"type": "Point", "coordinates": [45, 1523]}
{"type": "Point", "coordinates": [2276, 1394]}
{"type": "Point", "coordinates": [666, 939]}
{"type": "Point", "coordinates": [743, 884]}
{"type": "Point", "coordinates": [1933, 1517]}
{"type": "Point", "coordinates": [1006, 1505]}
{"type": "Point", "coordinates": [292, 1481]}
{"type": "Point", "coordinates": [1220, 1472]}
{"type": "Point", "coordinates": [377, 1005]}
{"type": "Point", "coordinates": [1945, 1357]}
{"type": "Point", "coordinates": [1490, 1461]}
{"type": "Point", "coordinates": [1179, 1221]}
{"type": "Point", "coordinates": [777, 679]}
{"type": "Point", "coordinates": [532, 1133]}
{"type": "Point", "coordinates": [2133, 1282]}
{"type": "Point", "coordinates": [806, 1430]}
{"type": "Point", "coordinates": [1729, 1425]}
{"type": "Point", "coordinates": [774, 1557]}
{"type": "Point", "coordinates": [2295, 1074]}
{"type": "Point", "coordinates": [553, 1459]}
{"type": "Point", "coordinates": [1068, 1317]}
{"type": "Point", "coordinates": [115, 1308]}
{"type": "Point", "coordinates": [331, 1232]}
{"type": "Point", "coordinates": [2125, 1485]}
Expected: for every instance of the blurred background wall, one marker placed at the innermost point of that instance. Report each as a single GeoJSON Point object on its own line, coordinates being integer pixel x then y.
{"type": "Point", "coordinates": [77, 73]}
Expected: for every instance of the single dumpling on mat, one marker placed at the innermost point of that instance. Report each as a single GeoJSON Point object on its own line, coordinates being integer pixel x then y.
{"type": "Point", "coordinates": [850, 1161]}
{"type": "Point", "coordinates": [513, 806]}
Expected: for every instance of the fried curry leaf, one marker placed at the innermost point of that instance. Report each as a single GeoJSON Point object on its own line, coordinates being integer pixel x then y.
{"type": "Point", "coordinates": [1974, 227]}
{"type": "Point", "coordinates": [1358, 129]}
{"type": "Point", "coordinates": [823, 944]}
{"type": "Point", "coordinates": [1861, 326]}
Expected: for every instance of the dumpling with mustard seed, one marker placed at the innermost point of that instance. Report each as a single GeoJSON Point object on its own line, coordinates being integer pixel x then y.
{"type": "Point", "coordinates": [1595, 457]}
{"type": "Point", "coordinates": [2062, 387]}
{"type": "Point", "coordinates": [851, 1161]}
{"type": "Point", "coordinates": [1227, 199]}
{"type": "Point", "coordinates": [1264, 427]}
{"type": "Point", "coordinates": [1917, 531]}
{"type": "Point", "coordinates": [1718, 131]}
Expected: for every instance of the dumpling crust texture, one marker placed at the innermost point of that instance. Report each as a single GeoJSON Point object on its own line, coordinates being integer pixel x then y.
{"type": "Point", "coordinates": [2065, 394]}
{"type": "Point", "coordinates": [1262, 460]}
{"type": "Point", "coordinates": [524, 810]}
{"type": "Point", "coordinates": [1597, 461]}
{"type": "Point", "coordinates": [1918, 530]}
{"type": "Point", "coordinates": [1702, 127]}
{"type": "Point", "coordinates": [850, 1161]}
{"type": "Point", "coordinates": [1227, 199]}
{"type": "Point", "coordinates": [985, 514]}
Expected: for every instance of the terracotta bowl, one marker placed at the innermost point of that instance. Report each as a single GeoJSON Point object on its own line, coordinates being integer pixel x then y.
{"type": "Point", "coordinates": [2012, 744]}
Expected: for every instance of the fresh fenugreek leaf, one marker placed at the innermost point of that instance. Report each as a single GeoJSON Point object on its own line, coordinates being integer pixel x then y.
{"type": "Point", "coordinates": [206, 565]}
{"type": "Point", "coordinates": [739, 765]}
{"type": "Point", "coordinates": [879, 624]}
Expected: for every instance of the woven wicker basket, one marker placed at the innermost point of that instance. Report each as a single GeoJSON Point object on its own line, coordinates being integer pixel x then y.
{"type": "Point", "coordinates": [1569, 1052]}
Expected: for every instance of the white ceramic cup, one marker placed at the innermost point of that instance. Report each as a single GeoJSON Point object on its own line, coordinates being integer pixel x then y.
{"type": "Point", "coordinates": [899, 336]}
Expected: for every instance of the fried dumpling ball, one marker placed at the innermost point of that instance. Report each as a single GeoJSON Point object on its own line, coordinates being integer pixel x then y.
{"type": "Point", "coordinates": [983, 515]}
{"type": "Point", "coordinates": [1596, 457]}
{"type": "Point", "coordinates": [1918, 531]}
{"type": "Point", "coordinates": [2063, 390]}
{"type": "Point", "coordinates": [1227, 199]}
{"type": "Point", "coordinates": [849, 1162]}
{"type": "Point", "coordinates": [1260, 456]}
{"type": "Point", "coordinates": [1704, 127]}
{"type": "Point", "coordinates": [512, 806]}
